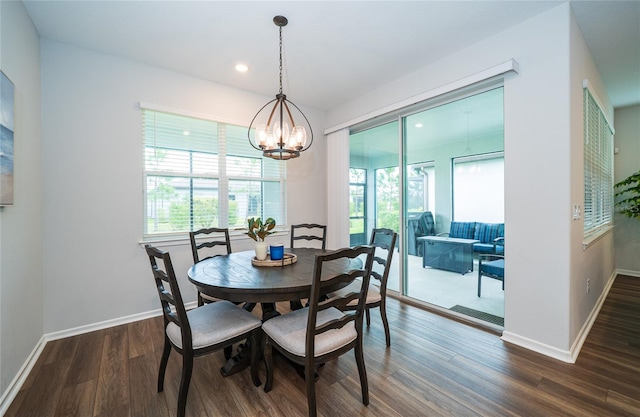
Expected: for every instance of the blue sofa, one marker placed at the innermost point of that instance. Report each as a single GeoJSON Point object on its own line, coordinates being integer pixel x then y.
{"type": "Point", "coordinates": [490, 235]}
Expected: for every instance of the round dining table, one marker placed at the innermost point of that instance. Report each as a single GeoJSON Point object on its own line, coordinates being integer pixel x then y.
{"type": "Point", "coordinates": [233, 277]}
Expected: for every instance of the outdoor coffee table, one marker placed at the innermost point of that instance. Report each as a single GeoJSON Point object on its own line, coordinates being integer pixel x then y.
{"type": "Point", "coordinates": [446, 253]}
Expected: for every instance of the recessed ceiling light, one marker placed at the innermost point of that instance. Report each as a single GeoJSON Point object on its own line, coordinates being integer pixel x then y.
{"type": "Point", "coordinates": [242, 68]}
{"type": "Point", "coordinates": [418, 125]}
{"type": "Point", "coordinates": [186, 132]}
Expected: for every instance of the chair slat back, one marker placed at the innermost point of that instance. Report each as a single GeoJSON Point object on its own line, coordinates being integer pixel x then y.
{"type": "Point", "coordinates": [384, 241]}
{"type": "Point", "coordinates": [215, 236]}
{"type": "Point", "coordinates": [170, 298]}
{"type": "Point", "coordinates": [329, 284]}
{"type": "Point", "coordinates": [320, 236]}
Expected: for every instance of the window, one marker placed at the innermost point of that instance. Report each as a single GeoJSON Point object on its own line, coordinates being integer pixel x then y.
{"type": "Point", "coordinates": [598, 167]}
{"type": "Point", "coordinates": [478, 188]}
{"type": "Point", "coordinates": [200, 173]}
{"type": "Point", "coordinates": [421, 187]}
{"type": "Point", "coordinates": [357, 206]}
{"type": "Point", "coordinates": [388, 198]}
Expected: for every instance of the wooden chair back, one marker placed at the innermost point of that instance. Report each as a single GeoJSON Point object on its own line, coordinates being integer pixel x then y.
{"type": "Point", "coordinates": [205, 249]}
{"type": "Point", "coordinates": [170, 298]}
{"type": "Point", "coordinates": [325, 285]}
{"type": "Point", "coordinates": [320, 235]}
{"type": "Point", "coordinates": [384, 241]}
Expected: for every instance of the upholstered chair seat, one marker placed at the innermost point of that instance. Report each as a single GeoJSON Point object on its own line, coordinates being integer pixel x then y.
{"type": "Point", "coordinates": [289, 331]}
{"type": "Point", "coordinates": [214, 323]}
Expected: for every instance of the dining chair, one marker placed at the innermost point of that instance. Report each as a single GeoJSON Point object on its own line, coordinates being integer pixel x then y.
{"type": "Point", "coordinates": [215, 237]}
{"type": "Point", "coordinates": [320, 332]}
{"type": "Point", "coordinates": [384, 241]}
{"type": "Point", "coordinates": [320, 234]}
{"type": "Point", "coordinates": [199, 331]}
{"type": "Point", "coordinates": [313, 232]}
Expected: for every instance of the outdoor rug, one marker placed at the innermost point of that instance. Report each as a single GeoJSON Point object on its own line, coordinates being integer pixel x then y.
{"type": "Point", "coordinates": [481, 315]}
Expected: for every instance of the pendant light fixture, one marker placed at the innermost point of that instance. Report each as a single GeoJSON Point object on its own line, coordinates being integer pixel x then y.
{"type": "Point", "coordinates": [276, 132]}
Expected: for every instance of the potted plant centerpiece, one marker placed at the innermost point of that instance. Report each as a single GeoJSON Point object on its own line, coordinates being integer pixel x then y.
{"type": "Point", "coordinates": [258, 231]}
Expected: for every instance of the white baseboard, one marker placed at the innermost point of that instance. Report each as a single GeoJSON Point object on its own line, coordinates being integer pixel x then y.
{"type": "Point", "coordinates": [553, 352]}
{"type": "Point", "coordinates": [628, 272]}
{"type": "Point", "coordinates": [14, 387]}
{"type": "Point", "coordinates": [570, 355]}
{"type": "Point", "coordinates": [12, 390]}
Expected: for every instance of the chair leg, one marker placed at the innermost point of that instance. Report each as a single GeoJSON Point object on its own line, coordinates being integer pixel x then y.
{"type": "Point", "coordinates": [200, 300]}
{"type": "Point", "coordinates": [295, 305]}
{"type": "Point", "coordinates": [364, 385]}
{"type": "Point", "coordinates": [479, 283]}
{"type": "Point", "coordinates": [366, 312]}
{"type": "Point", "coordinates": [228, 351]}
{"type": "Point", "coordinates": [255, 349]}
{"type": "Point", "coordinates": [385, 322]}
{"type": "Point", "coordinates": [166, 351]}
{"type": "Point", "coordinates": [187, 369]}
{"type": "Point", "coordinates": [268, 361]}
{"type": "Point", "coordinates": [310, 380]}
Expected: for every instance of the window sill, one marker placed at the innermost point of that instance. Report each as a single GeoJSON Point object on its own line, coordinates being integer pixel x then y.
{"type": "Point", "coordinates": [587, 241]}
{"type": "Point", "coordinates": [182, 239]}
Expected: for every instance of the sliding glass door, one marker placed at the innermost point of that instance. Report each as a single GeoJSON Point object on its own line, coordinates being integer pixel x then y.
{"type": "Point", "coordinates": [449, 167]}
{"type": "Point", "coordinates": [463, 143]}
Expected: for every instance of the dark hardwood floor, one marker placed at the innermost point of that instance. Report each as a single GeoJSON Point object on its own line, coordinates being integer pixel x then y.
{"type": "Point", "coordinates": [435, 367]}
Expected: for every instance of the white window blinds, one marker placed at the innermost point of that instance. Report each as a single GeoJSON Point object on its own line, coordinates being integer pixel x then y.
{"type": "Point", "coordinates": [200, 173]}
{"type": "Point", "coordinates": [598, 167]}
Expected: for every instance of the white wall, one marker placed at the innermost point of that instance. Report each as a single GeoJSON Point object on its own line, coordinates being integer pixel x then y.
{"type": "Point", "coordinates": [96, 269]}
{"type": "Point", "coordinates": [626, 162]}
{"type": "Point", "coordinates": [540, 118]}
{"type": "Point", "coordinates": [596, 262]}
{"type": "Point", "coordinates": [21, 224]}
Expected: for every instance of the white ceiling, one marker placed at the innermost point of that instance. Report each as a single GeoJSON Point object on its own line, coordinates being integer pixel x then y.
{"type": "Point", "coordinates": [334, 50]}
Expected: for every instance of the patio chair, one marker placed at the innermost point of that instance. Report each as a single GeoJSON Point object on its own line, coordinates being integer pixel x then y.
{"type": "Point", "coordinates": [491, 265]}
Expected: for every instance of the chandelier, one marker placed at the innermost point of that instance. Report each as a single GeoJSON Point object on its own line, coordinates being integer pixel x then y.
{"type": "Point", "coordinates": [276, 133]}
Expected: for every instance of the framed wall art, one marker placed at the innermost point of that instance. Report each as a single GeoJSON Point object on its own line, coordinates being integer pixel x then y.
{"type": "Point", "coordinates": [6, 140]}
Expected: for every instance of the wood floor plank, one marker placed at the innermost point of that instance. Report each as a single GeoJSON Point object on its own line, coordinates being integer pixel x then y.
{"type": "Point", "coordinates": [139, 336]}
{"type": "Point", "coordinates": [435, 367]}
{"type": "Point", "coordinates": [145, 400]}
{"type": "Point", "coordinates": [77, 400]}
{"type": "Point", "coordinates": [113, 384]}
{"type": "Point", "coordinates": [85, 363]}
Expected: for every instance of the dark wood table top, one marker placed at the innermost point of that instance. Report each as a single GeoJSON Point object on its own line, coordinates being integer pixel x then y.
{"type": "Point", "coordinates": [232, 277]}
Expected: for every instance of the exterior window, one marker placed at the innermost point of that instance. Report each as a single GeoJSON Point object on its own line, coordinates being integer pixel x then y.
{"type": "Point", "coordinates": [598, 167]}
{"type": "Point", "coordinates": [421, 187]}
{"type": "Point", "coordinates": [357, 206]}
{"type": "Point", "coordinates": [199, 173]}
{"type": "Point", "coordinates": [388, 198]}
{"type": "Point", "coordinates": [478, 188]}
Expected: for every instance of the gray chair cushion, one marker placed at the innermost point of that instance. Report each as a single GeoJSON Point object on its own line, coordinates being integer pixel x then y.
{"type": "Point", "coordinates": [289, 331]}
{"type": "Point", "coordinates": [214, 323]}
{"type": "Point", "coordinates": [373, 294]}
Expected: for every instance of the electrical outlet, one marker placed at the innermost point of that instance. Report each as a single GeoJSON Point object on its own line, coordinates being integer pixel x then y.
{"type": "Point", "coordinates": [576, 212]}
{"type": "Point", "coordinates": [588, 286]}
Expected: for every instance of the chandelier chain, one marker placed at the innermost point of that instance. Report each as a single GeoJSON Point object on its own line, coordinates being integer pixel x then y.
{"type": "Point", "coordinates": [280, 59]}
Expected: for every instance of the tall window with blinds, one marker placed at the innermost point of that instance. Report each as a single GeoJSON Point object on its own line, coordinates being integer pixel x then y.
{"type": "Point", "coordinates": [598, 167]}
{"type": "Point", "coordinates": [200, 173]}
